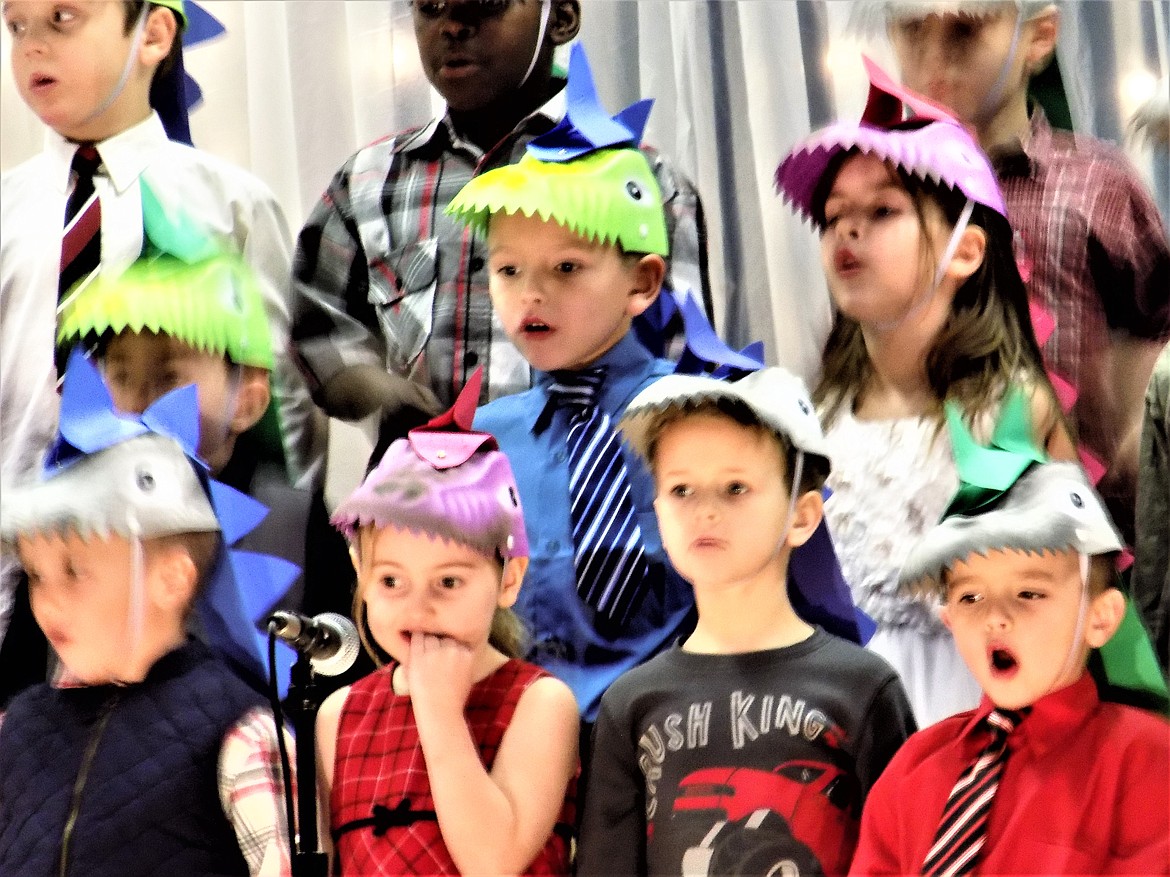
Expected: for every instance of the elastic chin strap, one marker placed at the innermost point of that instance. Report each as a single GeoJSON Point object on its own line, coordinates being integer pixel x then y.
{"type": "Point", "coordinates": [995, 95]}
{"type": "Point", "coordinates": [135, 43]}
{"type": "Point", "coordinates": [939, 272]}
{"type": "Point", "coordinates": [137, 608]}
{"type": "Point", "coordinates": [229, 408]}
{"type": "Point", "coordinates": [545, 15]}
{"type": "Point", "coordinates": [1079, 631]}
{"type": "Point", "coordinates": [793, 493]}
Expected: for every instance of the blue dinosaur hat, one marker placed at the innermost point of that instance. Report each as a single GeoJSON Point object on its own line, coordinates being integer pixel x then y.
{"type": "Point", "coordinates": [138, 476]}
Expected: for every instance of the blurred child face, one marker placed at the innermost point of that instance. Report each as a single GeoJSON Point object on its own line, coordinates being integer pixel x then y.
{"type": "Point", "coordinates": [957, 60]}
{"type": "Point", "coordinates": [1015, 620]}
{"type": "Point", "coordinates": [67, 59]}
{"type": "Point", "coordinates": [722, 502]}
{"type": "Point", "coordinates": [873, 251]}
{"type": "Point", "coordinates": [417, 584]}
{"type": "Point", "coordinates": [140, 367]}
{"type": "Point", "coordinates": [79, 591]}
{"type": "Point", "coordinates": [476, 52]}
{"type": "Point", "coordinates": [564, 300]}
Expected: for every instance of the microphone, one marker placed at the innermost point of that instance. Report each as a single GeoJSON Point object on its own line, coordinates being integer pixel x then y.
{"type": "Point", "coordinates": [329, 641]}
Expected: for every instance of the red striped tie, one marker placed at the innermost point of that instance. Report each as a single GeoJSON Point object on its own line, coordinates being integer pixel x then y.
{"type": "Point", "coordinates": [81, 244]}
{"type": "Point", "coordinates": [962, 831]}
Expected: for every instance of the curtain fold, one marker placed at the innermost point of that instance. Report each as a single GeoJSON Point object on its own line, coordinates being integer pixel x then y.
{"type": "Point", "coordinates": [296, 86]}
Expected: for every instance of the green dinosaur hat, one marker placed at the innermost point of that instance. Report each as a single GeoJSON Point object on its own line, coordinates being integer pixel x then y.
{"type": "Point", "coordinates": [214, 305]}
{"type": "Point", "coordinates": [587, 174]}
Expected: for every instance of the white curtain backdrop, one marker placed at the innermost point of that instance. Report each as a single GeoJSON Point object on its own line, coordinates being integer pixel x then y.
{"type": "Point", "coordinates": [296, 86]}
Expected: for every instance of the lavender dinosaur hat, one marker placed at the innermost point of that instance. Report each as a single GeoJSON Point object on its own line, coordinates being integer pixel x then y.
{"type": "Point", "coordinates": [447, 480]}
{"type": "Point", "coordinates": [940, 150]}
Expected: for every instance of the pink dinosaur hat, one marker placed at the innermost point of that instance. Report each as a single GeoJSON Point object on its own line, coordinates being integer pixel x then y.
{"type": "Point", "coordinates": [941, 150]}
{"type": "Point", "coordinates": [447, 480]}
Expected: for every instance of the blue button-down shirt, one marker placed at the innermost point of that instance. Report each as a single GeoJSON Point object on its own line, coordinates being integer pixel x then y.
{"type": "Point", "coordinates": [566, 639]}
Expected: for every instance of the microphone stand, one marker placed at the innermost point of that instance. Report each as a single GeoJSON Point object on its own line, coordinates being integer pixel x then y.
{"type": "Point", "coordinates": [304, 700]}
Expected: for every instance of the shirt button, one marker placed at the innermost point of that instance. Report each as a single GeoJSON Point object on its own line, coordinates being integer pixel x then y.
{"type": "Point", "coordinates": [470, 358]}
{"type": "Point", "coordinates": [559, 456]}
{"type": "Point", "coordinates": [554, 545]}
{"type": "Point", "coordinates": [476, 264]}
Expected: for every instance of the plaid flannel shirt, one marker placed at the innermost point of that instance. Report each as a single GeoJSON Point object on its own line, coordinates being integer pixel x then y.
{"type": "Point", "coordinates": [1099, 260]}
{"type": "Point", "coordinates": [383, 277]}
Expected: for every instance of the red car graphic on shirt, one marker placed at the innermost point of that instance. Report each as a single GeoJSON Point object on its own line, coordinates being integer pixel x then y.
{"type": "Point", "coordinates": [797, 819]}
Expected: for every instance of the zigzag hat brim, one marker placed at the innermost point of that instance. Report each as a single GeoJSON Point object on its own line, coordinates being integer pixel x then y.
{"type": "Point", "coordinates": [609, 196]}
{"type": "Point", "coordinates": [940, 152]}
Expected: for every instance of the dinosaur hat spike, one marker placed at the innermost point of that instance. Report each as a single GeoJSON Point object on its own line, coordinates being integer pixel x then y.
{"type": "Point", "coordinates": [138, 476]}
{"type": "Point", "coordinates": [931, 145]}
{"type": "Point", "coordinates": [444, 479]}
{"type": "Point", "coordinates": [586, 174]}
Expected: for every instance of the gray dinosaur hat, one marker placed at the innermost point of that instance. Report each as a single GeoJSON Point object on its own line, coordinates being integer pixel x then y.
{"type": "Point", "coordinates": [1052, 507]}
{"type": "Point", "coordinates": [146, 483]}
{"type": "Point", "coordinates": [777, 397]}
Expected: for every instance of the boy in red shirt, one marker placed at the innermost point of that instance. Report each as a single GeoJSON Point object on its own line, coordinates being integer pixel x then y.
{"type": "Point", "coordinates": [1078, 785]}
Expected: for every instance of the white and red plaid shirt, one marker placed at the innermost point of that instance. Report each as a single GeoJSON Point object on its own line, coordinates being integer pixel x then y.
{"type": "Point", "coordinates": [1099, 261]}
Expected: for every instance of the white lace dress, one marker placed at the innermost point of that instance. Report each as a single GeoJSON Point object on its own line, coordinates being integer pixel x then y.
{"type": "Point", "coordinates": [891, 481]}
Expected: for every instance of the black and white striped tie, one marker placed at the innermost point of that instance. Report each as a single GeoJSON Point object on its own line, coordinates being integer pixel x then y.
{"type": "Point", "coordinates": [608, 553]}
{"type": "Point", "coordinates": [962, 831]}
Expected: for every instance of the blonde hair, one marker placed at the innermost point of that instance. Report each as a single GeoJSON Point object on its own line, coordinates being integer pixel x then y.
{"type": "Point", "coordinates": [815, 469]}
{"type": "Point", "coordinates": [508, 634]}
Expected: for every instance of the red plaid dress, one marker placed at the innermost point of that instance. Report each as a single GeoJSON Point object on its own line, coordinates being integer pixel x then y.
{"type": "Point", "coordinates": [380, 777]}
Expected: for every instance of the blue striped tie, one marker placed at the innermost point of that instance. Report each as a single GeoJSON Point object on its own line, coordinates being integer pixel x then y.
{"type": "Point", "coordinates": [962, 830]}
{"type": "Point", "coordinates": [607, 542]}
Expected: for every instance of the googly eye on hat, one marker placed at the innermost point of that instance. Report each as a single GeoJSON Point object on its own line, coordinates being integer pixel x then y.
{"type": "Point", "coordinates": [586, 174]}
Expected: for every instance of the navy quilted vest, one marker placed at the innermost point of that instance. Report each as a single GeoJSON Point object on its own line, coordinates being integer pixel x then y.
{"type": "Point", "coordinates": [148, 804]}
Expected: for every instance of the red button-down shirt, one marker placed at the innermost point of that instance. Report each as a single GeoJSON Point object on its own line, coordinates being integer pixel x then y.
{"type": "Point", "coordinates": [1086, 790]}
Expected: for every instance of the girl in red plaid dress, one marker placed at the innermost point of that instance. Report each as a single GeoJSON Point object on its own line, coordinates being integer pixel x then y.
{"type": "Point", "coordinates": [455, 756]}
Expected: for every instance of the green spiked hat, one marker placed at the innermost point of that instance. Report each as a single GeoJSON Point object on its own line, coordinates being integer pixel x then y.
{"type": "Point", "coordinates": [214, 305]}
{"type": "Point", "coordinates": [586, 174]}
{"type": "Point", "coordinates": [608, 196]}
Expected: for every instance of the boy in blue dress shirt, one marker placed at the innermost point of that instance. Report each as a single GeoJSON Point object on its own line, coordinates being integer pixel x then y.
{"type": "Point", "coordinates": [576, 245]}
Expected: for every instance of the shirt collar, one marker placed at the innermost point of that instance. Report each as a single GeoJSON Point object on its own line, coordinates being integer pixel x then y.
{"type": "Point", "coordinates": [124, 156]}
{"type": "Point", "coordinates": [1016, 159]}
{"type": "Point", "coordinates": [1052, 719]}
{"type": "Point", "coordinates": [625, 365]}
{"type": "Point", "coordinates": [59, 155]}
{"type": "Point", "coordinates": [441, 128]}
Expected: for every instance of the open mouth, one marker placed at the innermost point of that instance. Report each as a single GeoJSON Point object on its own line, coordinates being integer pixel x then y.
{"type": "Point", "coordinates": [42, 81]}
{"type": "Point", "coordinates": [1003, 662]}
{"type": "Point", "coordinates": [846, 263]}
{"type": "Point", "coordinates": [531, 327]}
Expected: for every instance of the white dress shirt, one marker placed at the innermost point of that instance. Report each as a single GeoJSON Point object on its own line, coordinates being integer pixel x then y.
{"type": "Point", "coordinates": [236, 211]}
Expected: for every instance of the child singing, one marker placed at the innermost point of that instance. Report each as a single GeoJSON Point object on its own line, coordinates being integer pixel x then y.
{"type": "Point", "coordinates": [917, 251]}
{"type": "Point", "coordinates": [455, 756]}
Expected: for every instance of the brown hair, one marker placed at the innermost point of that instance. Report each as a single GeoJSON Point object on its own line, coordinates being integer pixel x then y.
{"type": "Point", "coordinates": [815, 468]}
{"type": "Point", "coordinates": [987, 341]}
{"type": "Point", "coordinates": [508, 634]}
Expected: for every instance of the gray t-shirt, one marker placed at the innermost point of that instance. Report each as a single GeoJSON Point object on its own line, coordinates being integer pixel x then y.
{"type": "Point", "coordinates": [736, 764]}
